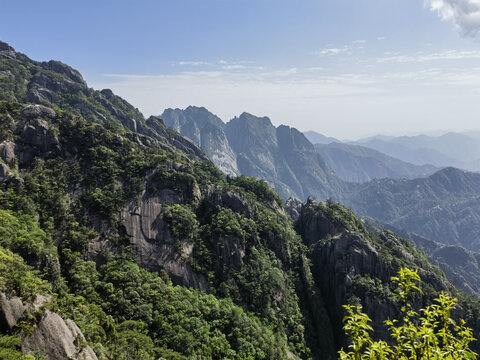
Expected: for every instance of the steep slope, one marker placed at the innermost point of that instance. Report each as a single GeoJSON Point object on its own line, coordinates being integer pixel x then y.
{"type": "Point", "coordinates": [154, 253]}
{"type": "Point", "coordinates": [252, 146]}
{"type": "Point", "coordinates": [461, 266]}
{"type": "Point", "coordinates": [207, 131]}
{"type": "Point", "coordinates": [444, 207]}
{"type": "Point", "coordinates": [441, 207]}
{"type": "Point", "coordinates": [281, 156]}
{"type": "Point", "coordinates": [146, 246]}
{"type": "Point", "coordinates": [57, 85]}
{"type": "Point", "coordinates": [351, 264]}
{"type": "Point", "coordinates": [360, 164]}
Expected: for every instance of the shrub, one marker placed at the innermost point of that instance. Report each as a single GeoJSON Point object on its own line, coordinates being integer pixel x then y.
{"type": "Point", "coordinates": [430, 333]}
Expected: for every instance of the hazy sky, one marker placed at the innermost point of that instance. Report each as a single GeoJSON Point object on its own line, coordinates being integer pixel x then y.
{"type": "Point", "coordinates": [345, 68]}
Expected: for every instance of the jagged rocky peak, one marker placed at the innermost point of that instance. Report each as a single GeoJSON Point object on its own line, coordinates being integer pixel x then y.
{"type": "Point", "coordinates": [190, 121]}
{"type": "Point", "coordinates": [66, 70]}
{"type": "Point", "coordinates": [207, 131]}
{"type": "Point", "coordinates": [6, 50]}
{"type": "Point", "coordinates": [292, 138]}
{"type": "Point", "coordinates": [249, 130]}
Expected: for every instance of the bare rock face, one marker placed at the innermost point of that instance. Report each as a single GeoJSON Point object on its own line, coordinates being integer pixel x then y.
{"type": "Point", "coordinates": [293, 206]}
{"type": "Point", "coordinates": [230, 199]}
{"type": "Point", "coordinates": [53, 336]}
{"type": "Point", "coordinates": [4, 169]}
{"type": "Point", "coordinates": [335, 265]}
{"type": "Point", "coordinates": [7, 152]}
{"type": "Point", "coordinates": [7, 51]}
{"type": "Point", "coordinates": [57, 339]}
{"type": "Point", "coordinates": [155, 247]}
{"type": "Point", "coordinates": [36, 136]}
{"type": "Point", "coordinates": [313, 226]}
{"type": "Point", "coordinates": [11, 310]}
{"type": "Point", "coordinates": [31, 112]}
{"type": "Point", "coordinates": [40, 94]}
{"type": "Point", "coordinates": [66, 70]}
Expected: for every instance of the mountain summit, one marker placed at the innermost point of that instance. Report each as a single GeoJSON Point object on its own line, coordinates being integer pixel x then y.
{"type": "Point", "coordinates": [281, 156]}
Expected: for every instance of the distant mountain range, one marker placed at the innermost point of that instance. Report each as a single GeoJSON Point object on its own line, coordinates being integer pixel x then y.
{"type": "Point", "coordinates": [461, 150]}
{"type": "Point", "coordinates": [443, 206]}
{"type": "Point", "coordinates": [317, 138]}
{"type": "Point", "coordinates": [360, 164]}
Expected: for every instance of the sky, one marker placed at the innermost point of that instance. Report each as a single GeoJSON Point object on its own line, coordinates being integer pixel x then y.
{"type": "Point", "coordinates": [344, 68]}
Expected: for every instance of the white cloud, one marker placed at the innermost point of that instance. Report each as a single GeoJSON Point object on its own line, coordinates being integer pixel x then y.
{"type": "Point", "coordinates": [327, 51]}
{"type": "Point", "coordinates": [315, 98]}
{"type": "Point", "coordinates": [234, 67]}
{"type": "Point", "coordinates": [423, 57]}
{"type": "Point", "coordinates": [465, 14]}
{"type": "Point", "coordinates": [194, 63]}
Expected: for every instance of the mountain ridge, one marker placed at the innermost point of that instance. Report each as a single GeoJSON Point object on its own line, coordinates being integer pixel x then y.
{"type": "Point", "coordinates": [152, 252]}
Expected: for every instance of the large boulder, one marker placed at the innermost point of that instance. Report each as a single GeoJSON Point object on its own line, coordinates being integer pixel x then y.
{"type": "Point", "coordinates": [11, 310]}
{"type": "Point", "coordinates": [58, 339]}
{"type": "Point", "coordinates": [4, 169]}
{"type": "Point", "coordinates": [53, 336]}
{"type": "Point", "coordinates": [7, 152]}
{"type": "Point", "coordinates": [31, 112]}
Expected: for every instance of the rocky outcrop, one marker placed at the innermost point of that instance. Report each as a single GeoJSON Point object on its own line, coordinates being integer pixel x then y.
{"type": "Point", "coordinates": [53, 337]}
{"type": "Point", "coordinates": [314, 225]}
{"type": "Point", "coordinates": [293, 207]}
{"type": "Point", "coordinates": [66, 70]}
{"type": "Point", "coordinates": [155, 247]}
{"type": "Point", "coordinates": [335, 267]}
{"type": "Point", "coordinates": [7, 51]}
{"type": "Point", "coordinates": [207, 131]}
{"type": "Point", "coordinates": [11, 310]}
{"type": "Point", "coordinates": [31, 112]}
{"type": "Point", "coordinates": [157, 129]}
{"type": "Point", "coordinates": [4, 170]}
{"type": "Point", "coordinates": [229, 199]}
{"type": "Point", "coordinates": [58, 339]}
{"type": "Point", "coordinates": [37, 138]}
{"type": "Point", "coordinates": [350, 264]}
{"type": "Point", "coordinates": [7, 152]}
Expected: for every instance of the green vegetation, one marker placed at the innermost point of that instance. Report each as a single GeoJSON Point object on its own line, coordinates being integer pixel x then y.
{"type": "Point", "coordinates": [63, 234]}
{"type": "Point", "coordinates": [260, 188]}
{"type": "Point", "coordinates": [429, 333]}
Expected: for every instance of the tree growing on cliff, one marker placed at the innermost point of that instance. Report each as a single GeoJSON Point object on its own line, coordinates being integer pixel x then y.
{"type": "Point", "coordinates": [428, 334]}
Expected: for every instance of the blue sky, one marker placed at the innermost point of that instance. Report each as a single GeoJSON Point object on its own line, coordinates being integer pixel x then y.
{"type": "Point", "coordinates": [343, 68]}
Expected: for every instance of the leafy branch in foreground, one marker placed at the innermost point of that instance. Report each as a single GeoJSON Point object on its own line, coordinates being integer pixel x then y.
{"type": "Point", "coordinates": [429, 334]}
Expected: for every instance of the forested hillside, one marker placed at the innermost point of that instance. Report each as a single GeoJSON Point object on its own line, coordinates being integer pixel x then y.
{"type": "Point", "coordinates": [119, 239]}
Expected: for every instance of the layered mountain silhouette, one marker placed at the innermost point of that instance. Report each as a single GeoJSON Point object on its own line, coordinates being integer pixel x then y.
{"type": "Point", "coordinates": [442, 206]}
{"type": "Point", "coordinates": [461, 150]}
{"type": "Point", "coordinates": [252, 146]}
{"type": "Point", "coordinates": [120, 239]}
{"type": "Point", "coordinates": [360, 164]}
